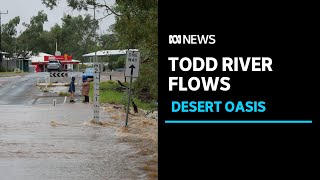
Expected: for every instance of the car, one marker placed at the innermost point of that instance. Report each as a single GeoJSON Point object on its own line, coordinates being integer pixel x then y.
{"type": "Point", "coordinates": [88, 73]}
{"type": "Point", "coordinates": [54, 65]}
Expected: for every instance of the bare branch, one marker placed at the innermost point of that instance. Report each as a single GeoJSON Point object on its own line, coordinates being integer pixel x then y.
{"type": "Point", "coordinates": [108, 8]}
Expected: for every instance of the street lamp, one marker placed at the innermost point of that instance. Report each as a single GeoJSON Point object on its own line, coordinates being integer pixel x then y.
{"type": "Point", "coordinates": [1, 37]}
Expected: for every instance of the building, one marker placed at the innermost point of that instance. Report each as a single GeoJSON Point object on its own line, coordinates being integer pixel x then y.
{"type": "Point", "coordinates": [41, 60]}
{"type": "Point", "coordinates": [10, 64]}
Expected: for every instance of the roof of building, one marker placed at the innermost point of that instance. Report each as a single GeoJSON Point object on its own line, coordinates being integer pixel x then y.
{"type": "Point", "coordinates": [40, 58]}
{"type": "Point", "coordinates": [108, 52]}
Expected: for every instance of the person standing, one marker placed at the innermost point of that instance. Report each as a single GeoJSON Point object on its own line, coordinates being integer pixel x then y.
{"type": "Point", "coordinates": [86, 89]}
{"type": "Point", "coordinates": [72, 89]}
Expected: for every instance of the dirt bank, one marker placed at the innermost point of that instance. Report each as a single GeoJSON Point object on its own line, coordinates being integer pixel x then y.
{"type": "Point", "coordinates": [142, 132]}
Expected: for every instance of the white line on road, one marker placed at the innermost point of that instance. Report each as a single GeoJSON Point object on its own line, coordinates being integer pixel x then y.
{"type": "Point", "coordinates": [13, 86]}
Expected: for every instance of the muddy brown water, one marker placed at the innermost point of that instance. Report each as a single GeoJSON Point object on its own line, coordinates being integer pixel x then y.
{"type": "Point", "coordinates": [42, 142]}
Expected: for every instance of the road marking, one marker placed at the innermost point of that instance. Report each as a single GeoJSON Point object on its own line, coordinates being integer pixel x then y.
{"type": "Point", "coordinates": [65, 99]}
{"type": "Point", "coordinates": [13, 86]}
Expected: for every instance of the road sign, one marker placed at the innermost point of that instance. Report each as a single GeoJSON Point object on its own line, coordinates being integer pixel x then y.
{"type": "Point", "coordinates": [58, 74]}
{"type": "Point", "coordinates": [132, 70]}
{"type": "Point", "coordinates": [132, 64]}
{"type": "Point", "coordinates": [96, 93]}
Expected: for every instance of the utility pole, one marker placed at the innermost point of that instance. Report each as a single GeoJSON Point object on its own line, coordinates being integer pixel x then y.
{"type": "Point", "coordinates": [1, 37]}
{"type": "Point", "coordinates": [95, 38]}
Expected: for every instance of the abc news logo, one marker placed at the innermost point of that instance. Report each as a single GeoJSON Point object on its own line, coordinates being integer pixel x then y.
{"type": "Point", "coordinates": [192, 39]}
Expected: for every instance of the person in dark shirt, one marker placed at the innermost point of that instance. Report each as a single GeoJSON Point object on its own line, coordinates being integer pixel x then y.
{"type": "Point", "coordinates": [72, 89]}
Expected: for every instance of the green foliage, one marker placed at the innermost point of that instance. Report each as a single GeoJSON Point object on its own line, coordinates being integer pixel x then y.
{"type": "Point", "coordinates": [146, 86]}
{"type": "Point", "coordinates": [120, 63]}
{"type": "Point", "coordinates": [108, 94]}
{"type": "Point", "coordinates": [81, 5]}
{"type": "Point", "coordinates": [2, 69]}
{"type": "Point", "coordinates": [8, 34]}
{"type": "Point", "coordinates": [61, 93]}
{"type": "Point", "coordinates": [137, 27]}
{"type": "Point", "coordinates": [116, 62]}
{"type": "Point", "coordinates": [108, 41]}
{"type": "Point", "coordinates": [75, 37]}
{"type": "Point", "coordinates": [32, 38]}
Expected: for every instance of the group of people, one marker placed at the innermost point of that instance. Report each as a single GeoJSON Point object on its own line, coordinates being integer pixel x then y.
{"type": "Point", "coordinates": [85, 89]}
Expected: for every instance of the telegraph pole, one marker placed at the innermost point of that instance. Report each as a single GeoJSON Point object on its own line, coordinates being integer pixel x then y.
{"type": "Point", "coordinates": [1, 36]}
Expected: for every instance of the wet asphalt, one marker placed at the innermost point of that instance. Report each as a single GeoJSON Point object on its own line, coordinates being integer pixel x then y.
{"type": "Point", "coordinates": [19, 90]}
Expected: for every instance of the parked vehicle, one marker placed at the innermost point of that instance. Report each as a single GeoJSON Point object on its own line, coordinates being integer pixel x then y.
{"type": "Point", "coordinates": [54, 65]}
{"type": "Point", "coordinates": [88, 73]}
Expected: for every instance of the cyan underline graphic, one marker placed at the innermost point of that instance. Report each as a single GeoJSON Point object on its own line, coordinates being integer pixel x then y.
{"type": "Point", "coordinates": [238, 121]}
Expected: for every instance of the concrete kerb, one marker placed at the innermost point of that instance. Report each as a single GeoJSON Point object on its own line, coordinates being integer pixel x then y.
{"type": "Point", "coordinates": [55, 84]}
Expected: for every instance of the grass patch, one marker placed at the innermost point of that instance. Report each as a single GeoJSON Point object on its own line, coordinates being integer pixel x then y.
{"type": "Point", "coordinates": [8, 74]}
{"type": "Point", "coordinates": [110, 92]}
{"type": "Point", "coordinates": [61, 93]}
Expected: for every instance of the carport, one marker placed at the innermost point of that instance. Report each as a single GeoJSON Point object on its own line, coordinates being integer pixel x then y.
{"type": "Point", "coordinates": [104, 53]}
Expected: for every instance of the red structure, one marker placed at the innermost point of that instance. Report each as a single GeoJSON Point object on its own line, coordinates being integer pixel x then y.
{"type": "Point", "coordinates": [60, 58]}
{"type": "Point", "coordinates": [41, 62]}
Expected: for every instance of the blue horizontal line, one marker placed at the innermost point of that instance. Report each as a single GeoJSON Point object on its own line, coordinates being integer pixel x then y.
{"type": "Point", "coordinates": [238, 121]}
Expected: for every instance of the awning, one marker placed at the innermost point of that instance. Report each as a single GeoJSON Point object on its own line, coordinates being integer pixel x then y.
{"type": "Point", "coordinates": [109, 53]}
{"type": "Point", "coordinates": [73, 61]}
{"type": "Point", "coordinates": [64, 62]}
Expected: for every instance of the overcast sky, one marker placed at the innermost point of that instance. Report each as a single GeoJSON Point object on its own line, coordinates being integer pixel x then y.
{"type": "Point", "coordinates": [28, 8]}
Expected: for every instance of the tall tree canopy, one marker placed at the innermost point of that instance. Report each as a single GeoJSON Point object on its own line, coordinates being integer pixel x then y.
{"type": "Point", "coordinates": [32, 38]}
{"type": "Point", "coordinates": [76, 36]}
{"type": "Point", "coordinates": [136, 27]}
{"type": "Point", "coordinates": [8, 35]}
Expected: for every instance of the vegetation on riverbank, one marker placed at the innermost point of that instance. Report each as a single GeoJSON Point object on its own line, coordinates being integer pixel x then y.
{"type": "Point", "coordinates": [111, 92]}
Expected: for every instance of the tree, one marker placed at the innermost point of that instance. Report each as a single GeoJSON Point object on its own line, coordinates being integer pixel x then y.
{"type": "Point", "coordinates": [32, 39]}
{"type": "Point", "coordinates": [82, 5]}
{"type": "Point", "coordinates": [136, 27]}
{"type": "Point", "coordinates": [8, 35]}
{"type": "Point", "coordinates": [77, 35]}
{"type": "Point", "coordinates": [74, 37]}
{"type": "Point", "coordinates": [108, 42]}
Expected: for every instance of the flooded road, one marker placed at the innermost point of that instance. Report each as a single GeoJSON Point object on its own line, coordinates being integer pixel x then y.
{"type": "Point", "coordinates": [19, 89]}
{"type": "Point", "coordinates": [39, 144]}
{"type": "Point", "coordinates": [40, 141]}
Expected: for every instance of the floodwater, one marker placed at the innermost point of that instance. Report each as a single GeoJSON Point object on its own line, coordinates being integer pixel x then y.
{"type": "Point", "coordinates": [46, 142]}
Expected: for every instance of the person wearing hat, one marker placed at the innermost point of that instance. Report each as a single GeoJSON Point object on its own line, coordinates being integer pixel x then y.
{"type": "Point", "coordinates": [86, 89]}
